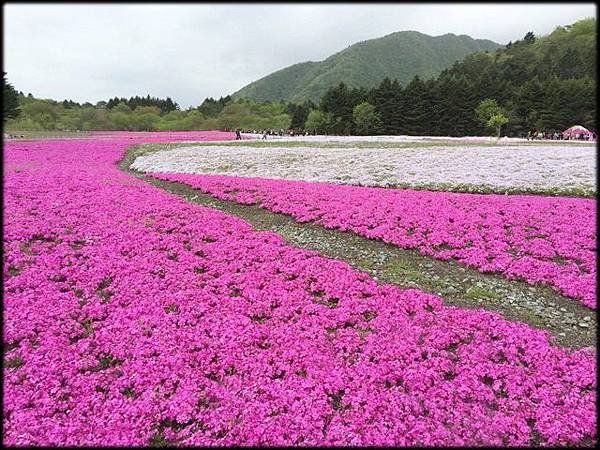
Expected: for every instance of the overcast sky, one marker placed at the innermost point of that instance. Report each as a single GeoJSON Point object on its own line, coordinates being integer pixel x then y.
{"type": "Point", "coordinates": [91, 52]}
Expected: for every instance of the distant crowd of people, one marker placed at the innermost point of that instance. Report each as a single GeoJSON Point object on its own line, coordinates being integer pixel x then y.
{"type": "Point", "coordinates": [13, 136]}
{"type": "Point", "coordinates": [282, 132]}
{"type": "Point", "coordinates": [271, 132]}
{"type": "Point", "coordinates": [539, 135]}
{"type": "Point", "coordinates": [558, 136]}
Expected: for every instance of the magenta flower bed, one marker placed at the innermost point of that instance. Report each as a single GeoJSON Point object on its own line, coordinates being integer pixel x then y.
{"type": "Point", "coordinates": [134, 318]}
{"type": "Point", "coordinates": [167, 136]}
{"type": "Point", "coordinates": [548, 240]}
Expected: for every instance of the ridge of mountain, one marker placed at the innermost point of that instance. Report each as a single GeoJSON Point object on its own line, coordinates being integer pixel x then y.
{"type": "Point", "coordinates": [400, 55]}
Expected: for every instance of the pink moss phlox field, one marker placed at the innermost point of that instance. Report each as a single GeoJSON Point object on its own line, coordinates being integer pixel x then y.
{"type": "Point", "coordinates": [133, 318]}
{"type": "Point", "coordinates": [548, 240]}
{"type": "Point", "coordinates": [166, 136]}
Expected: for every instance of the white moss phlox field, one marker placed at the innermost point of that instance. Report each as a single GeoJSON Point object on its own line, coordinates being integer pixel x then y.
{"type": "Point", "coordinates": [507, 168]}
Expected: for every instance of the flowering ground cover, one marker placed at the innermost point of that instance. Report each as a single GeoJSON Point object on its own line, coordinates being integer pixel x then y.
{"type": "Point", "coordinates": [548, 240]}
{"type": "Point", "coordinates": [134, 318]}
{"type": "Point", "coordinates": [166, 136]}
{"type": "Point", "coordinates": [551, 169]}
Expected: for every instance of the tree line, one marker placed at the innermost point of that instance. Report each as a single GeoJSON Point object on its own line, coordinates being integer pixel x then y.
{"type": "Point", "coordinates": [27, 113]}
{"type": "Point", "coordinates": [165, 105]}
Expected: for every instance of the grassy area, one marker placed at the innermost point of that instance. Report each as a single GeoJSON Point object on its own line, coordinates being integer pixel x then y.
{"type": "Point", "coordinates": [355, 144]}
{"type": "Point", "coordinates": [294, 144]}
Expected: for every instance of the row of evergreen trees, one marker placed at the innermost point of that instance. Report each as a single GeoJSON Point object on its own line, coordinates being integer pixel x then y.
{"type": "Point", "coordinates": [165, 105]}
{"type": "Point", "coordinates": [446, 106]}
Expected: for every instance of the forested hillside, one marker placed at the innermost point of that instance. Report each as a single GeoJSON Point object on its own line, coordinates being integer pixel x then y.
{"type": "Point", "coordinates": [400, 56]}
{"type": "Point", "coordinates": [546, 83]}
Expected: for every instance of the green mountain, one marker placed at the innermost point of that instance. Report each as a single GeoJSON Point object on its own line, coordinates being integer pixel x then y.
{"type": "Point", "coordinates": [400, 55]}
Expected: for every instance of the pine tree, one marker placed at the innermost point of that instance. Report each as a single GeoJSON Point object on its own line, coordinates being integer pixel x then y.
{"type": "Point", "coordinates": [9, 100]}
{"type": "Point", "coordinates": [529, 38]}
{"type": "Point", "coordinates": [417, 107]}
{"type": "Point", "coordinates": [380, 97]}
{"type": "Point", "coordinates": [529, 101]}
{"type": "Point", "coordinates": [338, 101]}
